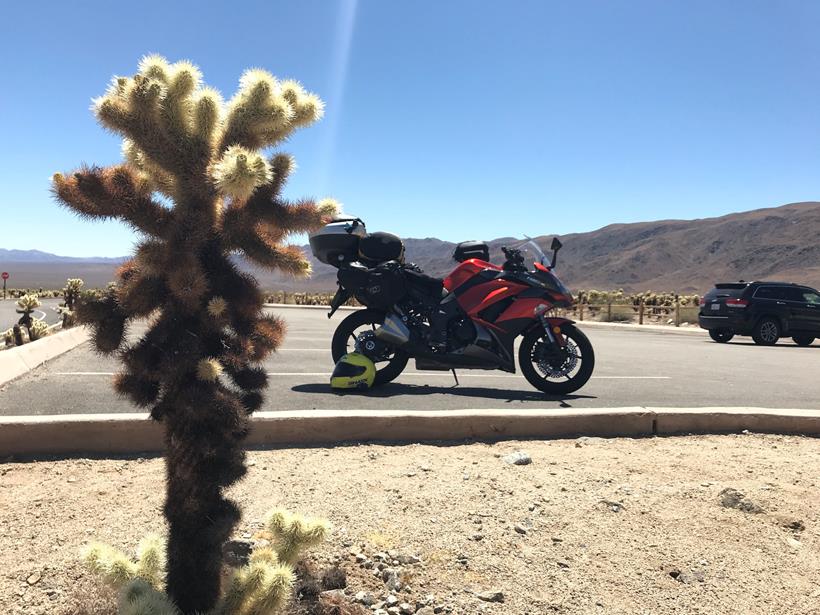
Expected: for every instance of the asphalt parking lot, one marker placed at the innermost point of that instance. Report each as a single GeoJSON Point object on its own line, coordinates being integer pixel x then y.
{"type": "Point", "coordinates": [633, 368]}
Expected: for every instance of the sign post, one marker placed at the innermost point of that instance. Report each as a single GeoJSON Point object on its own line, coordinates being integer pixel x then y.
{"type": "Point", "coordinates": [5, 277]}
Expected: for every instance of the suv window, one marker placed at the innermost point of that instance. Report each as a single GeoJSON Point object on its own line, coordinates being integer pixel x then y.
{"type": "Point", "coordinates": [809, 296]}
{"type": "Point", "coordinates": [795, 294]}
{"type": "Point", "coordinates": [771, 292]}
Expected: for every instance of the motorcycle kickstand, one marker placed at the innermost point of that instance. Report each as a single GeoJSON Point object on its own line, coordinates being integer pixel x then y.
{"type": "Point", "coordinates": [455, 376]}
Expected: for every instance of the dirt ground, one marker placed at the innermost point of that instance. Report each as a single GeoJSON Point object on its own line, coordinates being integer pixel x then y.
{"type": "Point", "coordinates": [590, 526]}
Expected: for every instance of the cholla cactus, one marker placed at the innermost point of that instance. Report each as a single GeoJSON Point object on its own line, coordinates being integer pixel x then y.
{"type": "Point", "coordinates": [262, 587]}
{"type": "Point", "coordinates": [37, 329]}
{"type": "Point", "coordinates": [207, 325]}
{"type": "Point", "coordinates": [71, 292]}
{"type": "Point", "coordinates": [25, 306]}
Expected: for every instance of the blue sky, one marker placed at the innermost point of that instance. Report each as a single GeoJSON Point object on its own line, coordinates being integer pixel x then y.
{"type": "Point", "coordinates": [452, 119]}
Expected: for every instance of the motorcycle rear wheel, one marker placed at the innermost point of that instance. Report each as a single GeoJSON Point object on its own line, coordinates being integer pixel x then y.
{"type": "Point", "coordinates": [556, 374]}
{"type": "Point", "coordinates": [344, 339]}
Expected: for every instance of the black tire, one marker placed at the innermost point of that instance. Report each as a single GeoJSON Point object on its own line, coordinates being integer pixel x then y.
{"type": "Point", "coordinates": [527, 361]}
{"type": "Point", "coordinates": [390, 369]}
{"type": "Point", "coordinates": [803, 340]}
{"type": "Point", "coordinates": [766, 332]}
{"type": "Point", "coordinates": [721, 336]}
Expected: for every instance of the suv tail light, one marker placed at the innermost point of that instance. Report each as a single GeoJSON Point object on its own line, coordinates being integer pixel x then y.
{"type": "Point", "coordinates": [702, 301]}
{"type": "Point", "coordinates": [737, 303]}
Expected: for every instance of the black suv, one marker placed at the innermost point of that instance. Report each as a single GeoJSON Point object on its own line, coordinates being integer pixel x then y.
{"type": "Point", "coordinates": [764, 310]}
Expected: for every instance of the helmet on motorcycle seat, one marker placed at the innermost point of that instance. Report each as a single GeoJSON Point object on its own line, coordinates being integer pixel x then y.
{"type": "Point", "coordinates": [353, 371]}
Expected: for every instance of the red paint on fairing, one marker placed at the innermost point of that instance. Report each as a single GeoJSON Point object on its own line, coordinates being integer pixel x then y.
{"type": "Point", "coordinates": [467, 270]}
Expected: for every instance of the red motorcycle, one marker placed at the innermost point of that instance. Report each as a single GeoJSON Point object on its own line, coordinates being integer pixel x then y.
{"type": "Point", "coordinates": [470, 320]}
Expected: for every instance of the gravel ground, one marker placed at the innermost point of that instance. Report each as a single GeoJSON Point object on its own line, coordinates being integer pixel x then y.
{"type": "Point", "coordinates": [590, 526]}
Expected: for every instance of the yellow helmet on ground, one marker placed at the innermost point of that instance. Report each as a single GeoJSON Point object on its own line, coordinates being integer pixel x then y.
{"type": "Point", "coordinates": [353, 371]}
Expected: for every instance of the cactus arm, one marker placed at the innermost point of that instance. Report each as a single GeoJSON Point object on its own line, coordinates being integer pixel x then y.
{"type": "Point", "coordinates": [293, 533]}
{"type": "Point", "coordinates": [139, 598]}
{"type": "Point", "coordinates": [112, 192]}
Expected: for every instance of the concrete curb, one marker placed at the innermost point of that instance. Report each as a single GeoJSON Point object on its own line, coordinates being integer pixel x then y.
{"type": "Point", "coordinates": [17, 361]}
{"type": "Point", "coordinates": [83, 434]}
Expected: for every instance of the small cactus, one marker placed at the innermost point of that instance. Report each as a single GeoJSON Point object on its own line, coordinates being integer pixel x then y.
{"type": "Point", "coordinates": [37, 329]}
{"type": "Point", "coordinates": [262, 587]}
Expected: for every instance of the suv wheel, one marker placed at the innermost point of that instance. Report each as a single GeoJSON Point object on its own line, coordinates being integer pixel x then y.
{"type": "Point", "coordinates": [721, 335]}
{"type": "Point", "coordinates": [803, 340]}
{"type": "Point", "coordinates": [766, 332]}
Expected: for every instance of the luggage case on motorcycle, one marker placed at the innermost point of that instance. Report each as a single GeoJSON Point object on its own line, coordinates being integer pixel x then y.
{"type": "Point", "coordinates": [337, 243]}
{"type": "Point", "coordinates": [472, 249]}
{"type": "Point", "coordinates": [385, 286]}
{"type": "Point", "coordinates": [377, 248]}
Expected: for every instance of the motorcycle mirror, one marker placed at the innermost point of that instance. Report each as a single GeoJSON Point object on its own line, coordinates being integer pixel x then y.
{"type": "Point", "coordinates": [555, 246]}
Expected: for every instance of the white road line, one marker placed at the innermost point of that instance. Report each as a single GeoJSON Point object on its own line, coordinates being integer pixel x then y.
{"type": "Point", "coordinates": [416, 374]}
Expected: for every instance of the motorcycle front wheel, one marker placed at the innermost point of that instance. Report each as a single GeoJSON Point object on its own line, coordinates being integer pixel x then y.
{"type": "Point", "coordinates": [556, 371]}
{"type": "Point", "coordinates": [364, 323]}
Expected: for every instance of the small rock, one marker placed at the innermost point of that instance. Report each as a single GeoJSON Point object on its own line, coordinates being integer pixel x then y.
{"type": "Point", "coordinates": [391, 600]}
{"type": "Point", "coordinates": [795, 525]}
{"type": "Point", "coordinates": [477, 537]}
{"type": "Point", "coordinates": [364, 598]}
{"type": "Point", "coordinates": [562, 564]}
{"type": "Point", "coordinates": [34, 578]}
{"type": "Point", "coordinates": [332, 594]}
{"type": "Point", "coordinates": [794, 544]}
{"type": "Point", "coordinates": [518, 458]}
{"type": "Point", "coordinates": [393, 610]}
{"type": "Point", "coordinates": [406, 609]}
{"type": "Point", "coordinates": [732, 498]}
{"type": "Point", "coordinates": [520, 529]}
{"type": "Point", "coordinates": [491, 596]}
{"type": "Point", "coordinates": [425, 610]}
{"type": "Point", "coordinates": [425, 468]}
{"type": "Point", "coordinates": [613, 506]}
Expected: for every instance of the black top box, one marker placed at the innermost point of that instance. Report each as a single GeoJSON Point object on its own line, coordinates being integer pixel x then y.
{"type": "Point", "coordinates": [472, 249]}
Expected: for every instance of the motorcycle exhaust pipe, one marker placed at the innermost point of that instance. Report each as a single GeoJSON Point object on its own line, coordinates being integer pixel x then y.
{"type": "Point", "coordinates": [393, 331]}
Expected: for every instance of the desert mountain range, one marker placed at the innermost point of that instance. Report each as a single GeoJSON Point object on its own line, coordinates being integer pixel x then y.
{"type": "Point", "coordinates": [781, 243]}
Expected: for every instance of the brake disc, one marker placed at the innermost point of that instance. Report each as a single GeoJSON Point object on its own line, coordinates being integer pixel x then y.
{"type": "Point", "coordinates": [556, 363]}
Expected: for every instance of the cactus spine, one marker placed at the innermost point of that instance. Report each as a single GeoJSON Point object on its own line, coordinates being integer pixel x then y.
{"type": "Point", "coordinates": [183, 142]}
